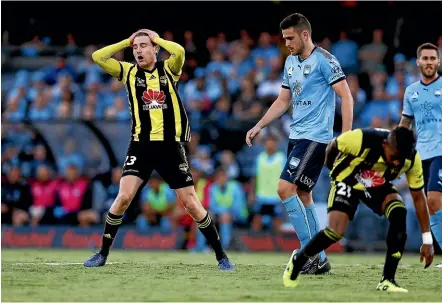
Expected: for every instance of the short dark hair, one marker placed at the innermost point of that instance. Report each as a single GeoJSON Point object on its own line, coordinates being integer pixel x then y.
{"type": "Point", "coordinates": [404, 140]}
{"type": "Point", "coordinates": [298, 21]}
{"type": "Point", "coordinates": [427, 46]}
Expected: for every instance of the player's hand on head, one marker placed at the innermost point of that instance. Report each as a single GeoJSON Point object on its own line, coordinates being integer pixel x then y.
{"type": "Point", "coordinates": [132, 37]}
{"type": "Point", "coordinates": [152, 35]}
{"type": "Point", "coordinates": [252, 134]}
{"type": "Point", "coordinates": [427, 253]}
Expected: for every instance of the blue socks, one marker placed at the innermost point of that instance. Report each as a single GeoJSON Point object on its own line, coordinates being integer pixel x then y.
{"type": "Point", "coordinates": [313, 223]}
{"type": "Point", "coordinates": [225, 230]}
{"type": "Point", "coordinates": [436, 226]}
{"type": "Point", "coordinates": [298, 218]}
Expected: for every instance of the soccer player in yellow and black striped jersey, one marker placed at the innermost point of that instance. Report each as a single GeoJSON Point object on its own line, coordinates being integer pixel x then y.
{"type": "Point", "coordinates": [363, 163]}
{"type": "Point", "coordinates": [159, 128]}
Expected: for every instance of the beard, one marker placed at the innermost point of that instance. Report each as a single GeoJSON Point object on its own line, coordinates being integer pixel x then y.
{"type": "Point", "coordinates": [300, 50]}
{"type": "Point", "coordinates": [428, 73]}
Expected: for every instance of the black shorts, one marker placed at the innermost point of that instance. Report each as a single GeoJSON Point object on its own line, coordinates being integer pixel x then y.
{"type": "Point", "coordinates": [346, 199]}
{"type": "Point", "coordinates": [168, 159]}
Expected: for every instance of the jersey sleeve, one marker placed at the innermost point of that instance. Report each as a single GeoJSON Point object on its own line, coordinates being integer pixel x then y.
{"type": "Point", "coordinates": [285, 77]}
{"type": "Point", "coordinates": [407, 109]}
{"type": "Point", "coordinates": [415, 175]}
{"type": "Point", "coordinates": [103, 57]}
{"type": "Point", "coordinates": [331, 69]}
{"type": "Point", "coordinates": [124, 70]}
{"type": "Point", "coordinates": [350, 142]}
{"type": "Point", "coordinates": [177, 56]}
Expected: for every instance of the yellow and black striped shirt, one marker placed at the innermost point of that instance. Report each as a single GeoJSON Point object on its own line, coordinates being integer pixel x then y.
{"type": "Point", "coordinates": [361, 163]}
{"type": "Point", "coordinates": [157, 112]}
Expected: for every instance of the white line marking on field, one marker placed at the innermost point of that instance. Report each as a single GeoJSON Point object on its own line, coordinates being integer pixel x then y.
{"type": "Point", "coordinates": [57, 263]}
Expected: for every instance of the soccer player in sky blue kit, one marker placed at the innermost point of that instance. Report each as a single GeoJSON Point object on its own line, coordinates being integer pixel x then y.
{"type": "Point", "coordinates": [312, 79]}
{"type": "Point", "coordinates": [423, 106]}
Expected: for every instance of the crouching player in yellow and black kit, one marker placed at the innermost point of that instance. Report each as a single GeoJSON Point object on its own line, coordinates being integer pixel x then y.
{"type": "Point", "coordinates": [159, 128]}
{"type": "Point", "coordinates": [363, 164]}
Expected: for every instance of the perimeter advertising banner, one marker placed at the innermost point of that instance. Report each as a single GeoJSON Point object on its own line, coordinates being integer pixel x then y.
{"type": "Point", "coordinates": [129, 238]}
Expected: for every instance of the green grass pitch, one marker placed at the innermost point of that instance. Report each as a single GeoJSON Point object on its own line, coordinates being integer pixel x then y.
{"type": "Point", "coordinates": [57, 275]}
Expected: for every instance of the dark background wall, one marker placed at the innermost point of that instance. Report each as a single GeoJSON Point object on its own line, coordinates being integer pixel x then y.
{"type": "Point", "coordinates": [106, 22]}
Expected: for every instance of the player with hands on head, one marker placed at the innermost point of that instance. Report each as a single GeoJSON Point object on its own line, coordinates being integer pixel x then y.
{"type": "Point", "coordinates": [159, 129]}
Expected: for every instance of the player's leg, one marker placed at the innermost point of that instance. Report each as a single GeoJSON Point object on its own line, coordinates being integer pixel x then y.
{"type": "Point", "coordinates": [434, 196]}
{"type": "Point", "coordinates": [128, 188]}
{"type": "Point", "coordinates": [342, 205]}
{"type": "Point", "coordinates": [306, 181]}
{"type": "Point", "coordinates": [313, 223]}
{"type": "Point", "coordinates": [176, 172]}
{"type": "Point", "coordinates": [301, 173]}
{"type": "Point", "coordinates": [133, 172]}
{"type": "Point", "coordinates": [287, 191]}
{"type": "Point", "coordinates": [295, 209]}
{"type": "Point", "coordinates": [205, 224]}
{"type": "Point", "coordinates": [394, 209]}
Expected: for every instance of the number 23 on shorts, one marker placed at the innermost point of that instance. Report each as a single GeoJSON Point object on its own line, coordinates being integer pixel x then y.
{"type": "Point", "coordinates": [130, 160]}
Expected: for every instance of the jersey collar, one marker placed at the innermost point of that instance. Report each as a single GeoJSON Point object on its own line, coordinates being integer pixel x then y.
{"type": "Point", "coordinates": [147, 70]}
{"type": "Point", "coordinates": [302, 60]}
{"type": "Point", "coordinates": [430, 82]}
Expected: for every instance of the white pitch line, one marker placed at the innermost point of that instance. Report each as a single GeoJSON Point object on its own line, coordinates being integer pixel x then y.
{"type": "Point", "coordinates": [57, 263]}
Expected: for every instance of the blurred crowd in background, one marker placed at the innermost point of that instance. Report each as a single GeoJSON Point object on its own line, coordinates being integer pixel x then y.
{"type": "Point", "coordinates": [226, 87]}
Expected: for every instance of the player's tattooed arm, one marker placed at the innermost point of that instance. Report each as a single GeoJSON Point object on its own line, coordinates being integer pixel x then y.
{"type": "Point", "coordinates": [406, 121]}
{"type": "Point", "coordinates": [331, 154]}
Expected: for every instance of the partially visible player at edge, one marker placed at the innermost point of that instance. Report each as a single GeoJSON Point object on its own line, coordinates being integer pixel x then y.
{"type": "Point", "coordinates": [312, 78]}
{"type": "Point", "coordinates": [423, 105]}
{"type": "Point", "coordinates": [159, 127]}
{"type": "Point", "coordinates": [363, 163]}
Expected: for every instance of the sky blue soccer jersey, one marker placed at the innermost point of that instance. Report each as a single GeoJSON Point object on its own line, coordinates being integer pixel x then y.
{"type": "Point", "coordinates": [313, 98]}
{"type": "Point", "coordinates": [423, 102]}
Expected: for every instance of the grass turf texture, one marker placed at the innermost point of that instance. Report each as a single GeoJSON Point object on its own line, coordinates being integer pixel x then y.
{"type": "Point", "coordinates": [176, 276]}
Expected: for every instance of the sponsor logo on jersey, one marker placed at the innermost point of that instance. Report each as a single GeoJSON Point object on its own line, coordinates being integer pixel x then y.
{"type": "Point", "coordinates": [307, 70]}
{"type": "Point", "coordinates": [415, 96]}
{"type": "Point", "coordinates": [303, 103]}
{"type": "Point", "coordinates": [140, 82]}
{"type": "Point", "coordinates": [370, 178]}
{"type": "Point", "coordinates": [163, 80]}
{"type": "Point", "coordinates": [297, 88]}
{"type": "Point", "coordinates": [427, 109]}
{"type": "Point", "coordinates": [290, 71]}
{"type": "Point", "coordinates": [154, 99]}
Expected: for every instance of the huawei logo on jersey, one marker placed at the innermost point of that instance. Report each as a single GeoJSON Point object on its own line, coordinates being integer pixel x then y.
{"type": "Point", "coordinates": [154, 99]}
{"type": "Point", "coordinates": [153, 95]}
{"type": "Point", "coordinates": [370, 178]}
